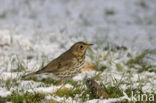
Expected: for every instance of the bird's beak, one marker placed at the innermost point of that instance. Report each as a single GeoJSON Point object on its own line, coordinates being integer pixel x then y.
{"type": "Point", "coordinates": [90, 45]}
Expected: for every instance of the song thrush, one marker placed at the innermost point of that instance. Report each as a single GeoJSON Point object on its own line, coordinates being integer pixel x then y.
{"type": "Point", "coordinates": [67, 64]}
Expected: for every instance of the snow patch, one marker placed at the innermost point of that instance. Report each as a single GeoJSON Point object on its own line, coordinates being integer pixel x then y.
{"type": "Point", "coordinates": [4, 92]}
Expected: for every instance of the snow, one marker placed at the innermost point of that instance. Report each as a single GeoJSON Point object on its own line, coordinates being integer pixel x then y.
{"type": "Point", "coordinates": [105, 101]}
{"type": "Point", "coordinates": [50, 89]}
{"type": "Point", "coordinates": [26, 85]}
{"type": "Point", "coordinates": [45, 29]}
{"type": "Point", "coordinates": [4, 92]}
{"type": "Point", "coordinates": [61, 99]}
{"type": "Point", "coordinates": [7, 75]}
{"type": "Point", "coordinates": [69, 86]}
{"type": "Point", "coordinates": [111, 100]}
{"type": "Point", "coordinates": [85, 74]}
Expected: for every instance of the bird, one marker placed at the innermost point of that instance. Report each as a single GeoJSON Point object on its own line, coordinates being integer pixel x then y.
{"type": "Point", "coordinates": [67, 64]}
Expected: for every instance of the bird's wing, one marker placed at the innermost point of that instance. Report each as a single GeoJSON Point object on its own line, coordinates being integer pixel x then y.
{"type": "Point", "coordinates": [58, 65]}
{"type": "Point", "coordinates": [66, 64]}
{"type": "Point", "coordinates": [52, 66]}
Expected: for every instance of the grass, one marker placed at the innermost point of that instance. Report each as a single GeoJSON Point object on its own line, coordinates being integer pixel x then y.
{"type": "Point", "coordinates": [75, 93]}
{"type": "Point", "coordinates": [139, 60]}
{"type": "Point", "coordinates": [119, 67]}
{"type": "Point", "coordinates": [52, 101]}
{"type": "Point", "coordinates": [113, 91]}
{"type": "Point", "coordinates": [79, 91]}
{"type": "Point", "coordinates": [11, 83]}
{"type": "Point", "coordinates": [103, 68]}
{"type": "Point", "coordinates": [3, 99]}
{"type": "Point", "coordinates": [20, 97]}
{"type": "Point", "coordinates": [20, 68]}
{"type": "Point", "coordinates": [47, 81]}
{"type": "Point", "coordinates": [21, 65]}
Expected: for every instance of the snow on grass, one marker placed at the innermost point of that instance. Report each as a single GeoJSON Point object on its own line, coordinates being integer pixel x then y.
{"type": "Point", "coordinates": [4, 92]}
{"type": "Point", "coordinates": [84, 75]}
{"type": "Point", "coordinates": [50, 89]}
{"type": "Point", "coordinates": [111, 100]}
{"type": "Point", "coordinates": [7, 75]}
{"type": "Point", "coordinates": [61, 99]}
{"type": "Point", "coordinates": [32, 33]}
{"type": "Point", "coordinates": [106, 101]}
{"type": "Point", "coordinates": [112, 70]}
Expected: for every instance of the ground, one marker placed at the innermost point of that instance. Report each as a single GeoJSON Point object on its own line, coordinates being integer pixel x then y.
{"type": "Point", "coordinates": [32, 33]}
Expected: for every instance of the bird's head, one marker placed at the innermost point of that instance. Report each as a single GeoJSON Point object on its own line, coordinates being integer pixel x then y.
{"type": "Point", "coordinates": [79, 48]}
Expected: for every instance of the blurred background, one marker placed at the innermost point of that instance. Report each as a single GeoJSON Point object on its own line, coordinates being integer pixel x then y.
{"type": "Point", "coordinates": [124, 22]}
{"type": "Point", "coordinates": [34, 32]}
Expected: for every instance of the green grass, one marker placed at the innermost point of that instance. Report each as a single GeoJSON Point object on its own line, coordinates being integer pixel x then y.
{"type": "Point", "coordinates": [11, 83]}
{"type": "Point", "coordinates": [20, 97]}
{"type": "Point", "coordinates": [113, 91]}
{"type": "Point", "coordinates": [103, 68]}
{"type": "Point", "coordinates": [139, 60]}
{"type": "Point", "coordinates": [25, 97]}
{"type": "Point", "coordinates": [3, 99]}
{"type": "Point", "coordinates": [47, 81]}
{"type": "Point", "coordinates": [82, 93]}
{"type": "Point", "coordinates": [78, 91]}
{"type": "Point", "coordinates": [73, 83]}
{"type": "Point", "coordinates": [20, 68]}
{"type": "Point", "coordinates": [119, 67]}
{"type": "Point", "coordinates": [52, 101]}
{"type": "Point", "coordinates": [21, 65]}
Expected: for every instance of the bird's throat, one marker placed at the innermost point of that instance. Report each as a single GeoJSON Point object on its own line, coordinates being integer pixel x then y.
{"type": "Point", "coordinates": [80, 58]}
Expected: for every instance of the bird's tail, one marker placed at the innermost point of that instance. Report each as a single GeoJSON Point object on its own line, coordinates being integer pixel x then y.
{"type": "Point", "coordinates": [33, 74]}
{"type": "Point", "coordinates": [29, 75]}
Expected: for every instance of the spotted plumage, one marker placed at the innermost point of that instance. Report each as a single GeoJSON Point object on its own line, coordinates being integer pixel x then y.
{"type": "Point", "coordinates": [67, 64]}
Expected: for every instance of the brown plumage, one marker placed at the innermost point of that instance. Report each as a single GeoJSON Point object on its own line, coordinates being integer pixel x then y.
{"type": "Point", "coordinates": [67, 64]}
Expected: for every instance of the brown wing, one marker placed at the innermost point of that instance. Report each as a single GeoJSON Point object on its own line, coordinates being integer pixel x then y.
{"type": "Point", "coordinates": [65, 61]}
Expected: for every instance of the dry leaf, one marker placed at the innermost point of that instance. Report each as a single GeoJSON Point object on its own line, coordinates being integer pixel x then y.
{"type": "Point", "coordinates": [96, 89]}
{"type": "Point", "coordinates": [88, 67]}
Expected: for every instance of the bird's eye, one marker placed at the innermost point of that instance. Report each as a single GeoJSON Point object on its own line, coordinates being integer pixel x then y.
{"type": "Point", "coordinates": [81, 46]}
